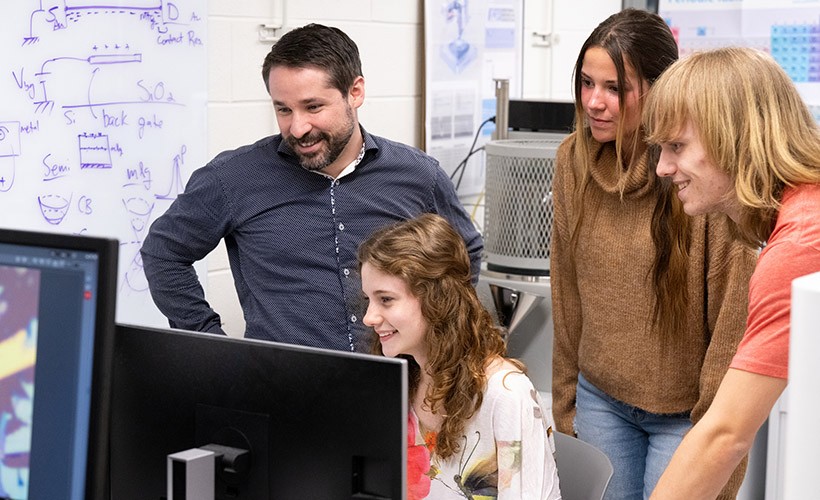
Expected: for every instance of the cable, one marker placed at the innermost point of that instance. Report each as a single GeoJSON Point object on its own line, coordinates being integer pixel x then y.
{"type": "Point", "coordinates": [478, 203]}
{"type": "Point", "coordinates": [463, 165]}
{"type": "Point", "coordinates": [471, 152]}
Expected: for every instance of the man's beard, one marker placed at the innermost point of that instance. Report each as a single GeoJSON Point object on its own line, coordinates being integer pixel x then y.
{"type": "Point", "coordinates": [332, 146]}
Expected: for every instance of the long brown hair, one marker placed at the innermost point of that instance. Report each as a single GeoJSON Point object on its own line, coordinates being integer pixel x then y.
{"type": "Point", "coordinates": [430, 257]}
{"type": "Point", "coordinates": [644, 42]}
{"type": "Point", "coordinates": [634, 38]}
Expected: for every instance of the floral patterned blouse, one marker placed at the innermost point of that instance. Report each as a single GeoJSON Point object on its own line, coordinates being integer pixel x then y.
{"type": "Point", "coordinates": [506, 452]}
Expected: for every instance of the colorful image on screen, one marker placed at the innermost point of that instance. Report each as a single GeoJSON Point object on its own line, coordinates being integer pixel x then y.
{"type": "Point", "coordinates": [19, 312]}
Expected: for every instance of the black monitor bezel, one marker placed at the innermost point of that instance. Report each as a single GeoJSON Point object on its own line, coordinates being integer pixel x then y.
{"type": "Point", "coordinates": [107, 250]}
{"type": "Point", "coordinates": [149, 359]}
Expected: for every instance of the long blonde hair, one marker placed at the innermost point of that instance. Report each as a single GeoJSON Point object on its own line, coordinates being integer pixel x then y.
{"type": "Point", "coordinates": [430, 257]}
{"type": "Point", "coordinates": [752, 121]}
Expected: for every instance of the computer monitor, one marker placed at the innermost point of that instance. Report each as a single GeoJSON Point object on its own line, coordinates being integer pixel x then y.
{"type": "Point", "coordinates": [318, 424]}
{"type": "Point", "coordinates": [57, 307]}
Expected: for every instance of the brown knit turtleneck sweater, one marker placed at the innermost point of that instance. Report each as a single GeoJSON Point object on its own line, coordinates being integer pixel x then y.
{"type": "Point", "coordinates": [602, 297]}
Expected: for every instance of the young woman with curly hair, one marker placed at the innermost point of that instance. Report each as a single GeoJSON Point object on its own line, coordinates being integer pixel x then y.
{"type": "Point", "coordinates": [473, 412]}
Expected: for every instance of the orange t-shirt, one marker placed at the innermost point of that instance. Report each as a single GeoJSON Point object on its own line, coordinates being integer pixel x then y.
{"type": "Point", "coordinates": [793, 250]}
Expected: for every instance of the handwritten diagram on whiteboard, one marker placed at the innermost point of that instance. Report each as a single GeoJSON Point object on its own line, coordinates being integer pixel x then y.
{"type": "Point", "coordinates": [102, 119]}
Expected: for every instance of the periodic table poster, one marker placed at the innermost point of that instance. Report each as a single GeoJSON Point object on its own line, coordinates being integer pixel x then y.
{"type": "Point", "coordinates": [787, 29]}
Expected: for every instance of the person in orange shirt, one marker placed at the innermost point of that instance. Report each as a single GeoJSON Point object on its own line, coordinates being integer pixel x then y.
{"type": "Point", "coordinates": [737, 139]}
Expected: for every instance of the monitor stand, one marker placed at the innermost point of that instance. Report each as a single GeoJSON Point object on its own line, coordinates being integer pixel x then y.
{"type": "Point", "coordinates": [241, 439]}
{"type": "Point", "coordinates": [191, 474]}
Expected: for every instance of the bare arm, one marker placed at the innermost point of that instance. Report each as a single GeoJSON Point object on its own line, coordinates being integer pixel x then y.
{"type": "Point", "coordinates": [730, 265]}
{"type": "Point", "coordinates": [715, 445]}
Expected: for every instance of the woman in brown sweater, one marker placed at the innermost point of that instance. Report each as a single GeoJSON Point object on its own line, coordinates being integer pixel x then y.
{"type": "Point", "coordinates": [644, 329]}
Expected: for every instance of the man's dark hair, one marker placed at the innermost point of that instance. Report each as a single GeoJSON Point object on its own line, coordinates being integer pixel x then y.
{"type": "Point", "coordinates": [317, 46]}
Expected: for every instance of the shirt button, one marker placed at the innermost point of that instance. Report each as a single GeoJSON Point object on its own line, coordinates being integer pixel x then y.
{"type": "Point", "coordinates": [346, 272]}
{"type": "Point", "coordinates": [353, 319]}
{"type": "Point", "coordinates": [341, 227]}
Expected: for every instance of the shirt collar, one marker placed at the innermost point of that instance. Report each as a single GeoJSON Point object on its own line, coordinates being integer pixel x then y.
{"type": "Point", "coordinates": [348, 169]}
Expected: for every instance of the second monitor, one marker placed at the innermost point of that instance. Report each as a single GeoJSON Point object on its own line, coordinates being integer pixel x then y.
{"type": "Point", "coordinates": [315, 423]}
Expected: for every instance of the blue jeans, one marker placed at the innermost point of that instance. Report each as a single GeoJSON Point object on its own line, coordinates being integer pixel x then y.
{"type": "Point", "coordinates": [638, 443]}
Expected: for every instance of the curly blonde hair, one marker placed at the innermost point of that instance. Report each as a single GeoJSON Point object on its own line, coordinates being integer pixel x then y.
{"type": "Point", "coordinates": [430, 257]}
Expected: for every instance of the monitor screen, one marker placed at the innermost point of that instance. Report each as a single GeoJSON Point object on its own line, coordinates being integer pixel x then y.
{"type": "Point", "coordinates": [316, 423]}
{"type": "Point", "coordinates": [57, 306]}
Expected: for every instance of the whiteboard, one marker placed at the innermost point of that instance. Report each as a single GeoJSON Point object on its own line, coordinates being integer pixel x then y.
{"type": "Point", "coordinates": [102, 119]}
